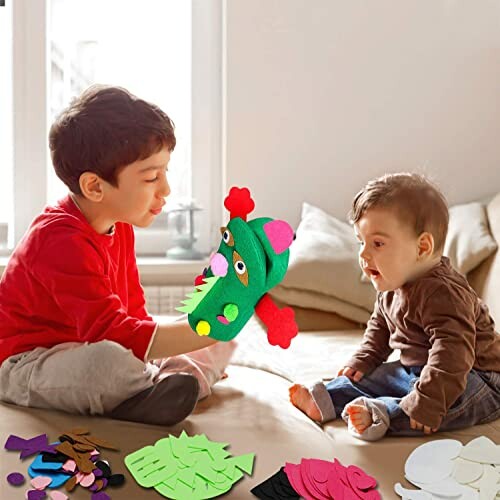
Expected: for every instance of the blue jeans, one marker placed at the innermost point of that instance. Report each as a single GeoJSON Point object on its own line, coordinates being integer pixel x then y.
{"type": "Point", "coordinates": [390, 382]}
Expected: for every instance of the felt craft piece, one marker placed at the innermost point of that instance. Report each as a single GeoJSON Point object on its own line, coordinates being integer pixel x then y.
{"type": "Point", "coordinates": [40, 482]}
{"type": "Point", "coordinates": [29, 446]}
{"type": "Point", "coordinates": [432, 461]}
{"type": "Point", "coordinates": [323, 480]}
{"type": "Point", "coordinates": [67, 461]}
{"type": "Point", "coordinates": [15, 479]}
{"type": "Point", "coordinates": [411, 494]}
{"type": "Point", "coordinates": [471, 478]}
{"type": "Point", "coordinates": [188, 467]}
{"type": "Point", "coordinates": [276, 487]}
{"type": "Point", "coordinates": [58, 495]}
{"type": "Point", "coordinates": [35, 495]}
{"type": "Point", "coordinates": [252, 258]}
{"type": "Point", "coordinates": [481, 450]}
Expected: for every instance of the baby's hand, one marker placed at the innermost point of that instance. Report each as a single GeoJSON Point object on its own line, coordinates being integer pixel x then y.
{"type": "Point", "coordinates": [351, 374]}
{"type": "Point", "coordinates": [418, 426]}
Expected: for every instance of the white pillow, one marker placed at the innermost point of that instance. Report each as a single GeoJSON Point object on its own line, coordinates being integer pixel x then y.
{"type": "Point", "coordinates": [469, 240]}
{"type": "Point", "coordinates": [323, 272]}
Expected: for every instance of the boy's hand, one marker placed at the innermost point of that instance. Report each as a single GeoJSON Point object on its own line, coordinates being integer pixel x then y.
{"type": "Point", "coordinates": [350, 373]}
{"type": "Point", "coordinates": [420, 427]}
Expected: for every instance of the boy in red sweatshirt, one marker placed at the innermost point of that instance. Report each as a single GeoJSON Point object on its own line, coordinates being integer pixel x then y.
{"type": "Point", "coordinates": [74, 331]}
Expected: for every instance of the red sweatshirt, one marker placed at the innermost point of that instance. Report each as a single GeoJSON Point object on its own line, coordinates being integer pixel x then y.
{"type": "Point", "coordinates": [67, 283]}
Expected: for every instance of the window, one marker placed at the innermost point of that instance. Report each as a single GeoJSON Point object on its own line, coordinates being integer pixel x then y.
{"type": "Point", "coordinates": [6, 191]}
{"type": "Point", "coordinates": [165, 52]}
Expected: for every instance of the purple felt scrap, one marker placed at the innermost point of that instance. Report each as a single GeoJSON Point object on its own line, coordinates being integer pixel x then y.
{"type": "Point", "coordinates": [100, 495]}
{"type": "Point", "coordinates": [29, 446]}
{"type": "Point", "coordinates": [36, 495]}
{"type": "Point", "coordinates": [15, 478]}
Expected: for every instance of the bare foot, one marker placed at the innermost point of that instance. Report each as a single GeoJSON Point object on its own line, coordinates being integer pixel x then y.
{"type": "Point", "coordinates": [302, 399]}
{"type": "Point", "coordinates": [359, 417]}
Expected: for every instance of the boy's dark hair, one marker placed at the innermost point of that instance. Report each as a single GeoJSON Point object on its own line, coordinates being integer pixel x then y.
{"type": "Point", "coordinates": [418, 203]}
{"type": "Point", "coordinates": [102, 131]}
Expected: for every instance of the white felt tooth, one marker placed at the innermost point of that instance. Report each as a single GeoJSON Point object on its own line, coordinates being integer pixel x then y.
{"type": "Point", "coordinates": [407, 494]}
{"type": "Point", "coordinates": [465, 471]}
{"type": "Point", "coordinates": [481, 450]}
{"type": "Point", "coordinates": [447, 487]}
{"type": "Point", "coordinates": [432, 461]}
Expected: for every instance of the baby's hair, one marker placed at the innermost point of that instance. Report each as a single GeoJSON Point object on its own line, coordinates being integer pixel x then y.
{"type": "Point", "coordinates": [417, 202]}
{"type": "Point", "coordinates": [102, 131]}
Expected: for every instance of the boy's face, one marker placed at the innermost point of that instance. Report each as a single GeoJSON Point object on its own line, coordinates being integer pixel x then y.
{"type": "Point", "coordinates": [388, 252]}
{"type": "Point", "coordinates": [141, 192]}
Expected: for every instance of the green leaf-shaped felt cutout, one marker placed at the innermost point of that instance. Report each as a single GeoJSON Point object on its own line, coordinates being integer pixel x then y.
{"type": "Point", "coordinates": [244, 462]}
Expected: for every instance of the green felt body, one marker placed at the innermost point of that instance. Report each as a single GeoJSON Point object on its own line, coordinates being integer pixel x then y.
{"type": "Point", "coordinates": [265, 270]}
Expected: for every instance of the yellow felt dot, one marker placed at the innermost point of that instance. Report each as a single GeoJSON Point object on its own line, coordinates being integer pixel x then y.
{"type": "Point", "coordinates": [203, 328]}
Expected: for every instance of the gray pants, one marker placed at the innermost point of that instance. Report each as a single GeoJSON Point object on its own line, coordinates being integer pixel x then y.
{"type": "Point", "coordinates": [95, 378]}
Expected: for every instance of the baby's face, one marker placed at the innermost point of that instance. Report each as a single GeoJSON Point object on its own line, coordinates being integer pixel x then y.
{"type": "Point", "coordinates": [388, 249]}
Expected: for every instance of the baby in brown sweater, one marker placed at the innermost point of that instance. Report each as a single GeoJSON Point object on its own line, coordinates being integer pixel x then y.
{"type": "Point", "coordinates": [448, 374]}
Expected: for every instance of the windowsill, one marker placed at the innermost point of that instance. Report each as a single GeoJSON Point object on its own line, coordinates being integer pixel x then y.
{"type": "Point", "coordinates": [158, 270]}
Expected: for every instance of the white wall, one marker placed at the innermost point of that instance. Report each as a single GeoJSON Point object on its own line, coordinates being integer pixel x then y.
{"type": "Point", "coordinates": [322, 95]}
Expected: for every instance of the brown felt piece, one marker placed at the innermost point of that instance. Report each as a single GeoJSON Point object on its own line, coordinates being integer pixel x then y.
{"type": "Point", "coordinates": [70, 484]}
{"type": "Point", "coordinates": [79, 431]}
{"type": "Point", "coordinates": [99, 484]}
{"type": "Point", "coordinates": [102, 443]}
{"type": "Point", "coordinates": [82, 448]}
{"type": "Point", "coordinates": [82, 460]}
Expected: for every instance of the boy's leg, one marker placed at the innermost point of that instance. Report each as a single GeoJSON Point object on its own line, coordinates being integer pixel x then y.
{"type": "Point", "coordinates": [207, 365]}
{"type": "Point", "coordinates": [91, 379]}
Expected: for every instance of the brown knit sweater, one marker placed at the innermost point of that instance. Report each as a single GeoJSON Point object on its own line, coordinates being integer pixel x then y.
{"type": "Point", "coordinates": [436, 321]}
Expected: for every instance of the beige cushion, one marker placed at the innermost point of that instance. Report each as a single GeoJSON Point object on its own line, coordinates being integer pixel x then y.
{"type": "Point", "coordinates": [324, 272]}
{"type": "Point", "coordinates": [469, 240]}
{"type": "Point", "coordinates": [486, 277]}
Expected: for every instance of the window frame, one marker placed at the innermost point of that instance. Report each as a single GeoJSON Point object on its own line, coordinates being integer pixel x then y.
{"type": "Point", "coordinates": [30, 79]}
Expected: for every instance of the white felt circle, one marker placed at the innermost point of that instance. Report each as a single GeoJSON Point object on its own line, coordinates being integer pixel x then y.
{"type": "Point", "coordinates": [465, 471]}
{"type": "Point", "coordinates": [432, 461]}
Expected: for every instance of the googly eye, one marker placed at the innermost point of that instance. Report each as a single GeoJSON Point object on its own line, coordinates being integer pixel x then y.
{"type": "Point", "coordinates": [227, 237]}
{"type": "Point", "coordinates": [240, 267]}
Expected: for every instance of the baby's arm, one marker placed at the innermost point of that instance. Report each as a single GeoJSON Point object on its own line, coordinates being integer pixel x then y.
{"type": "Point", "coordinates": [374, 349]}
{"type": "Point", "coordinates": [449, 320]}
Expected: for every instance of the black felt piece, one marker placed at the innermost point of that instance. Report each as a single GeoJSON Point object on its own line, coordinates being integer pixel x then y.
{"type": "Point", "coordinates": [116, 480]}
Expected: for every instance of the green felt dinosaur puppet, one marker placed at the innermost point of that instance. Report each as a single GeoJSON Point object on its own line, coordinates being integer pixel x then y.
{"type": "Point", "coordinates": [252, 258]}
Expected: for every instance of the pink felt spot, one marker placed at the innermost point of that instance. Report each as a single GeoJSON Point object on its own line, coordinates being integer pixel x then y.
{"type": "Point", "coordinates": [40, 482]}
{"type": "Point", "coordinates": [293, 473]}
{"type": "Point", "coordinates": [218, 264]}
{"type": "Point", "coordinates": [280, 235]}
{"type": "Point", "coordinates": [58, 495]}
{"type": "Point", "coordinates": [320, 469]}
{"type": "Point", "coordinates": [223, 320]}
{"type": "Point", "coordinates": [69, 466]}
{"type": "Point", "coordinates": [87, 480]}
{"type": "Point", "coordinates": [307, 478]}
{"type": "Point", "coordinates": [359, 479]}
{"type": "Point", "coordinates": [94, 453]}
{"type": "Point", "coordinates": [79, 476]}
